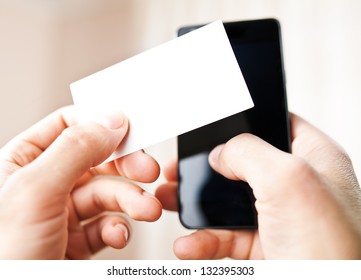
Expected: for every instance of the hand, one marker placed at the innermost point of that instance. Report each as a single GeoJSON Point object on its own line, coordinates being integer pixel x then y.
{"type": "Point", "coordinates": [308, 203]}
{"type": "Point", "coordinates": [55, 199]}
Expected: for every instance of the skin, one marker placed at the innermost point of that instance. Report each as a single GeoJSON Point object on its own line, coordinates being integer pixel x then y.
{"type": "Point", "coordinates": [57, 201]}
{"type": "Point", "coordinates": [308, 202]}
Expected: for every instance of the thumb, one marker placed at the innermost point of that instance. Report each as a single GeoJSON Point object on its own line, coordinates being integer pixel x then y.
{"type": "Point", "coordinates": [293, 201]}
{"type": "Point", "coordinates": [272, 174]}
{"type": "Point", "coordinates": [281, 182]}
{"type": "Point", "coordinates": [72, 153]}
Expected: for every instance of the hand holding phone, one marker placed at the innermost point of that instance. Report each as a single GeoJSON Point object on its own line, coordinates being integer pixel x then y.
{"type": "Point", "coordinates": [206, 198]}
{"type": "Point", "coordinates": [292, 190]}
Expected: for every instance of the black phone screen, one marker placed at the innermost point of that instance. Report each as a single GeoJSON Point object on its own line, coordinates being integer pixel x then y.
{"type": "Point", "coordinates": [206, 198]}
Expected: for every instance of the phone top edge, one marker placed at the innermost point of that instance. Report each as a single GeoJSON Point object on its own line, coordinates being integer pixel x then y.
{"type": "Point", "coordinates": [188, 28]}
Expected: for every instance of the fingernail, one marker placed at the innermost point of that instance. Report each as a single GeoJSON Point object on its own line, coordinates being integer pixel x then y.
{"type": "Point", "coordinates": [111, 120]}
{"type": "Point", "coordinates": [214, 154]}
{"type": "Point", "coordinates": [124, 230]}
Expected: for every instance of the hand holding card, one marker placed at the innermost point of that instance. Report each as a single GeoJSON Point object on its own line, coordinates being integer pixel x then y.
{"type": "Point", "coordinates": [146, 88]}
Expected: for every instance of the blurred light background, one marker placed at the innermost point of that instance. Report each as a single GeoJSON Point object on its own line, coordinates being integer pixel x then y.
{"type": "Point", "coordinates": [46, 45]}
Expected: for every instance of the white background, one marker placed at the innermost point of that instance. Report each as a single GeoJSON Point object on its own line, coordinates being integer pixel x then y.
{"type": "Point", "coordinates": [46, 45]}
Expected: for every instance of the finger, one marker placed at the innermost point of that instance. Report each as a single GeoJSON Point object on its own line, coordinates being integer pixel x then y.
{"type": "Point", "coordinates": [73, 152]}
{"type": "Point", "coordinates": [138, 166]}
{"type": "Point", "coordinates": [113, 231]}
{"type": "Point", "coordinates": [304, 135]}
{"type": "Point", "coordinates": [111, 194]}
{"type": "Point", "coordinates": [291, 198]}
{"type": "Point", "coordinates": [268, 170]}
{"type": "Point", "coordinates": [214, 244]}
{"type": "Point", "coordinates": [28, 145]}
{"type": "Point", "coordinates": [167, 195]}
{"type": "Point", "coordinates": [300, 126]}
{"type": "Point", "coordinates": [170, 171]}
{"type": "Point", "coordinates": [309, 142]}
{"type": "Point", "coordinates": [334, 165]}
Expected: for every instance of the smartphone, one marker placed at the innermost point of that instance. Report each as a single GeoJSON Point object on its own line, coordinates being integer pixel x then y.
{"type": "Point", "coordinates": [207, 199]}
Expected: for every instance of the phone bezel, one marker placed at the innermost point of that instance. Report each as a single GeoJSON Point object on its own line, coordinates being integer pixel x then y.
{"type": "Point", "coordinates": [252, 30]}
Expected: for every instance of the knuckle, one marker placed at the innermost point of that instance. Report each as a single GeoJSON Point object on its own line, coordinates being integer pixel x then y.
{"type": "Point", "coordinates": [297, 166]}
{"type": "Point", "coordinates": [286, 179]}
{"type": "Point", "coordinates": [22, 186]}
{"type": "Point", "coordinates": [238, 144]}
{"type": "Point", "coordinates": [297, 173]}
{"type": "Point", "coordinates": [342, 157]}
{"type": "Point", "coordinates": [22, 178]}
{"type": "Point", "coordinates": [83, 137]}
{"type": "Point", "coordinates": [239, 139]}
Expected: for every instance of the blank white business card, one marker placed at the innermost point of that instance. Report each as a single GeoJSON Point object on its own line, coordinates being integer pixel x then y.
{"type": "Point", "coordinates": [176, 87]}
